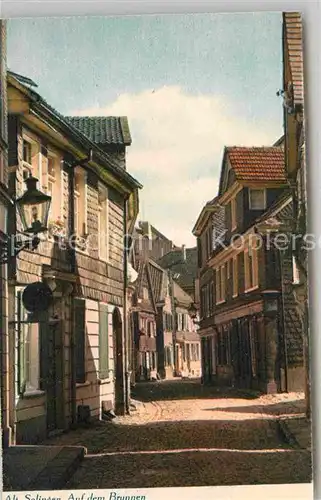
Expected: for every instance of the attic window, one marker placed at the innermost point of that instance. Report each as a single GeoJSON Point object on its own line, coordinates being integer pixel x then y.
{"type": "Point", "coordinates": [257, 199]}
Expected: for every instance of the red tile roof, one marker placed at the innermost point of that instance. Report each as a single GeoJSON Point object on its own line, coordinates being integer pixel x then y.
{"type": "Point", "coordinates": [261, 164]}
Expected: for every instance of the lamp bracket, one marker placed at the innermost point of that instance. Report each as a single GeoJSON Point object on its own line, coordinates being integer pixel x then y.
{"type": "Point", "coordinates": [6, 255]}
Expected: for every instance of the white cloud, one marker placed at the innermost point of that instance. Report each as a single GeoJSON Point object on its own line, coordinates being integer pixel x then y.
{"type": "Point", "coordinates": [178, 140]}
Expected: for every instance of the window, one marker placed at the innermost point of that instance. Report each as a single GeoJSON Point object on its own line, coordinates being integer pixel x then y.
{"type": "Point", "coordinates": [28, 351]}
{"type": "Point", "coordinates": [208, 243]}
{"type": "Point", "coordinates": [220, 284]}
{"type": "Point", "coordinates": [27, 152]}
{"type": "Point", "coordinates": [183, 322]}
{"type": "Point", "coordinates": [228, 269]}
{"type": "Point", "coordinates": [80, 201]}
{"type": "Point", "coordinates": [211, 298]}
{"type": "Point", "coordinates": [103, 222]}
{"type": "Point", "coordinates": [235, 277]}
{"type": "Point", "coordinates": [103, 342]}
{"type": "Point", "coordinates": [251, 268]}
{"type": "Point", "coordinates": [145, 293]}
{"type": "Point", "coordinates": [30, 157]}
{"type": "Point", "coordinates": [253, 347]}
{"type": "Point", "coordinates": [224, 351]}
{"type": "Point", "coordinates": [257, 199]}
{"type": "Point", "coordinates": [150, 328]}
{"type": "Point", "coordinates": [233, 214]}
{"type": "Point", "coordinates": [80, 340]}
{"type": "Point", "coordinates": [53, 183]}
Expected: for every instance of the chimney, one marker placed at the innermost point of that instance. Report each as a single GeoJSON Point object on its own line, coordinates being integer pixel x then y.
{"type": "Point", "coordinates": [184, 253]}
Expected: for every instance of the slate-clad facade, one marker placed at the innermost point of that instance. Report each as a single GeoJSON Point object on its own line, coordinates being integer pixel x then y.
{"type": "Point", "coordinates": [243, 344]}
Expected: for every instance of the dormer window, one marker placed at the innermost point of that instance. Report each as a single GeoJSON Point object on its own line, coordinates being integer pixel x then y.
{"type": "Point", "coordinates": [257, 199]}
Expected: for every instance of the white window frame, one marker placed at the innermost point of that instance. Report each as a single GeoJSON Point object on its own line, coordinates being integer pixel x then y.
{"type": "Point", "coordinates": [295, 272]}
{"type": "Point", "coordinates": [56, 182]}
{"type": "Point", "coordinates": [76, 211]}
{"type": "Point", "coordinates": [104, 257]}
{"type": "Point", "coordinates": [251, 190]}
{"type": "Point", "coordinates": [220, 284]}
{"type": "Point", "coordinates": [28, 166]}
{"type": "Point", "coordinates": [235, 277]}
{"type": "Point", "coordinates": [254, 265]}
{"type": "Point", "coordinates": [233, 214]}
{"type": "Point", "coordinates": [31, 351]}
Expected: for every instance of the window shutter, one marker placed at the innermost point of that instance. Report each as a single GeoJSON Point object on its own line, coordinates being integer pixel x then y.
{"type": "Point", "coordinates": [80, 341]}
{"type": "Point", "coordinates": [103, 342]}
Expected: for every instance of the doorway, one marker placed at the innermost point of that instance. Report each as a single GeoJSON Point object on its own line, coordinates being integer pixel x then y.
{"type": "Point", "coordinates": [51, 369]}
{"type": "Point", "coordinates": [118, 362]}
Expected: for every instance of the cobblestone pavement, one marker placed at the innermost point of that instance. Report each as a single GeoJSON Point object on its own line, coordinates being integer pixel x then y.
{"type": "Point", "coordinates": [187, 435]}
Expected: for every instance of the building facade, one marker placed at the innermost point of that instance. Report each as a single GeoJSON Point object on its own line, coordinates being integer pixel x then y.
{"type": "Point", "coordinates": [5, 203]}
{"type": "Point", "coordinates": [249, 326]}
{"type": "Point", "coordinates": [295, 162]}
{"type": "Point", "coordinates": [71, 364]}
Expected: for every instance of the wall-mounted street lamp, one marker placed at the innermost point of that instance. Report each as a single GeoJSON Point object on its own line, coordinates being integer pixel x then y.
{"type": "Point", "coordinates": [33, 207]}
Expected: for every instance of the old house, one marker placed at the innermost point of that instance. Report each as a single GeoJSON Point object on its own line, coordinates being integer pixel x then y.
{"type": "Point", "coordinates": [294, 128]}
{"type": "Point", "coordinates": [162, 305]}
{"type": "Point", "coordinates": [159, 244]}
{"type": "Point", "coordinates": [144, 314]}
{"type": "Point", "coordinates": [178, 343]}
{"type": "Point", "coordinates": [209, 230]}
{"type": "Point", "coordinates": [5, 202]}
{"type": "Point", "coordinates": [71, 363]}
{"type": "Point", "coordinates": [247, 338]}
{"type": "Point", "coordinates": [182, 262]}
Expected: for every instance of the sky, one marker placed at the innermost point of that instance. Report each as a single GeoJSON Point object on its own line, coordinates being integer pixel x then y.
{"type": "Point", "coordinates": [189, 85]}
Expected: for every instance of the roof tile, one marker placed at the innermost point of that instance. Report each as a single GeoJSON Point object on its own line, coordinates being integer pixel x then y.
{"type": "Point", "coordinates": [103, 130]}
{"type": "Point", "coordinates": [262, 164]}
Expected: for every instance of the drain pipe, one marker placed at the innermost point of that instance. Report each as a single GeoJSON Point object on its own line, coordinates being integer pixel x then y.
{"type": "Point", "coordinates": [125, 299]}
{"type": "Point", "coordinates": [72, 256]}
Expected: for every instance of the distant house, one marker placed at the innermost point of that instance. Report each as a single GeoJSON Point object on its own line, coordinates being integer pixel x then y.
{"type": "Point", "coordinates": [160, 320]}
{"type": "Point", "coordinates": [143, 312]}
{"type": "Point", "coordinates": [249, 328]}
{"type": "Point", "coordinates": [159, 245]}
{"type": "Point", "coordinates": [182, 262]}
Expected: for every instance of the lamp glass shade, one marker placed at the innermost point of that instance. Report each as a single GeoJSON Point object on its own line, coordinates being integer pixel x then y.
{"type": "Point", "coordinates": [33, 207]}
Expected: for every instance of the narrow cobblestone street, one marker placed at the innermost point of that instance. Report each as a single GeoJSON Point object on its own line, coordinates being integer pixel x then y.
{"type": "Point", "coordinates": [183, 434]}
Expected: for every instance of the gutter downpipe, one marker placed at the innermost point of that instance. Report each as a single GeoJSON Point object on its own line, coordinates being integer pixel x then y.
{"type": "Point", "coordinates": [125, 256]}
{"type": "Point", "coordinates": [72, 309]}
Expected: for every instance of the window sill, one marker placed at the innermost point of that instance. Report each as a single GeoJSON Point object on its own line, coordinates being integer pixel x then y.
{"type": "Point", "coordinates": [235, 295]}
{"type": "Point", "coordinates": [33, 393]}
{"type": "Point", "coordinates": [220, 302]}
{"type": "Point", "coordinates": [83, 384]}
{"type": "Point", "coordinates": [102, 381]}
{"type": "Point", "coordinates": [248, 290]}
